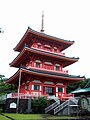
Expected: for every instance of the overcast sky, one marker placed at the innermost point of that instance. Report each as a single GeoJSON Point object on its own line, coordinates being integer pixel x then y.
{"type": "Point", "coordinates": [67, 19]}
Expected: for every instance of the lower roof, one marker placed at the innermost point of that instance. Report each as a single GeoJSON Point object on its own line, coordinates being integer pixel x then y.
{"type": "Point", "coordinates": [81, 90]}
{"type": "Point", "coordinates": [65, 78]}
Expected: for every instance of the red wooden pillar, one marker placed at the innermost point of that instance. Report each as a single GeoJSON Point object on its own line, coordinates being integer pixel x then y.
{"type": "Point", "coordinates": [30, 84]}
{"type": "Point", "coordinates": [42, 87]}
{"type": "Point", "coordinates": [53, 65]}
{"type": "Point", "coordinates": [43, 46]}
{"type": "Point", "coordinates": [61, 68]}
{"type": "Point", "coordinates": [33, 61]}
{"type": "Point", "coordinates": [51, 48]}
{"type": "Point", "coordinates": [65, 89]}
{"type": "Point", "coordinates": [35, 44]}
{"type": "Point", "coordinates": [42, 92]}
{"type": "Point", "coordinates": [55, 88]}
{"type": "Point", "coordinates": [42, 63]}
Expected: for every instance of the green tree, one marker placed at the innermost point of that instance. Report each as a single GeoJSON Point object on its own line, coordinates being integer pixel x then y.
{"type": "Point", "coordinates": [39, 105]}
{"type": "Point", "coordinates": [5, 88]}
{"type": "Point", "coordinates": [81, 84]}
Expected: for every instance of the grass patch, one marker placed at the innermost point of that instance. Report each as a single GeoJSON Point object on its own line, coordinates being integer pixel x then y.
{"type": "Point", "coordinates": [25, 116]}
{"type": "Point", "coordinates": [36, 117]}
{"type": "Point", "coordinates": [3, 117]}
{"type": "Point", "coordinates": [62, 117]}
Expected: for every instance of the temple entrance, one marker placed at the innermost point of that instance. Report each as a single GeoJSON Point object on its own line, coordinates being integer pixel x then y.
{"type": "Point", "coordinates": [49, 90]}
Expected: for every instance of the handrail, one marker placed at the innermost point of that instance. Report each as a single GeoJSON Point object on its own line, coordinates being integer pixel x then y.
{"type": "Point", "coordinates": [74, 100]}
{"type": "Point", "coordinates": [45, 69]}
{"type": "Point", "coordinates": [24, 96]}
{"type": "Point", "coordinates": [52, 52]}
{"type": "Point", "coordinates": [52, 106]}
{"type": "Point", "coordinates": [64, 104]}
{"type": "Point", "coordinates": [61, 106]}
{"type": "Point", "coordinates": [64, 96]}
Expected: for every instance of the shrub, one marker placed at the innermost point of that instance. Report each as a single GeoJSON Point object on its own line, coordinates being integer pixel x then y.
{"type": "Point", "coordinates": [1, 110]}
{"type": "Point", "coordinates": [39, 105]}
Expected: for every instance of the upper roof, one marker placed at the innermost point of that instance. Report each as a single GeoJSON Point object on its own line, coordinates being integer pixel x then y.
{"type": "Point", "coordinates": [32, 33]}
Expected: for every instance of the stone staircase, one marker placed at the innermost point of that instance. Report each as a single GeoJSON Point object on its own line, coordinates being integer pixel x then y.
{"type": "Point", "coordinates": [66, 104]}
{"type": "Point", "coordinates": [52, 106]}
{"type": "Point", "coordinates": [57, 107]}
{"type": "Point", "coordinates": [60, 107]}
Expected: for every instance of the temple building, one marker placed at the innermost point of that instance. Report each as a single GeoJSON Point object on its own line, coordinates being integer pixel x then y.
{"type": "Point", "coordinates": [41, 64]}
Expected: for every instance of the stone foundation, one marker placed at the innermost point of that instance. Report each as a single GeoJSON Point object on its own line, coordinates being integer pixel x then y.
{"type": "Point", "coordinates": [11, 105]}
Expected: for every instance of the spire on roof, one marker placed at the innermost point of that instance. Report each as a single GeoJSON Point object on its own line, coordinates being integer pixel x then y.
{"type": "Point", "coordinates": [42, 24]}
{"type": "Point", "coordinates": [1, 30]}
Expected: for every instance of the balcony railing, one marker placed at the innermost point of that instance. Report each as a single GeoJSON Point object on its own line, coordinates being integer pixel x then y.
{"type": "Point", "coordinates": [25, 96]}
{"type": "Point", "coordinates": [59, 71]}
{"type": "Point", "coordinates": [64, 96]}
{"type": "Point", "coordinates": [48, 50]}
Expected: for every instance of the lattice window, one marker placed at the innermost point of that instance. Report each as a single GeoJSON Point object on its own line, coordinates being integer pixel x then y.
{"type": "Point", "coordinates": [57, 67]}
{"type": "Point", "coordinates": [27, 87]}
{"type": "Point", "coordinates": [36, 87]}
{"type": "Point", "coordinates": [55, 49]}
{"type": "Point", "coordinates": [60, 89]}
{"type": "Point", "coordinates": [38, 63]}
{"type": "Point", "coordinates": [38, 45]}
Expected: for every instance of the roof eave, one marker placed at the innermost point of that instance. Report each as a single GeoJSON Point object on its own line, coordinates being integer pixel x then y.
{"type": "Point", "coordinates": [30, 71]}
{"type": "Point", "coordinates": [22, 40]}
{"type": "Point", "coordinates": [73, 60]}
{"type": "Point", "coordinates": [50, 37]}
{"type": "Point", "coordinates": [29, 30]}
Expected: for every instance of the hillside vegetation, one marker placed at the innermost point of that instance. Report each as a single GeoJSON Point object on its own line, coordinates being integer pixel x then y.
{"type": "Point", "coordinates": [5, 88]}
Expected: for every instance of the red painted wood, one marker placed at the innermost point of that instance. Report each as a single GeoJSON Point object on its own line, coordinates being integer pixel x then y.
{"type": "Point", "coordinates": [48, 44]}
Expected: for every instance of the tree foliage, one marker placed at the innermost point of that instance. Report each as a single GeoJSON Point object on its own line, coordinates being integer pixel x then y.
{"type": "Point", "coordinates": [5, 88]}
{"type": "Point", "coordinates": [82, 84]}
{"type": "Point", "coordinates": [39, 105]}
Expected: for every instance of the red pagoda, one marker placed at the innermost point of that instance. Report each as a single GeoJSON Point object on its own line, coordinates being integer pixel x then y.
{"type": "Point", "coordinates": [41, 66]}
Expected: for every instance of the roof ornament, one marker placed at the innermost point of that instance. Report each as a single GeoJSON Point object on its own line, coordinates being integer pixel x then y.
{"type": "Point", "coordinates": [42, 24]}
{"type": "Point", "coordinates": [1, 30]}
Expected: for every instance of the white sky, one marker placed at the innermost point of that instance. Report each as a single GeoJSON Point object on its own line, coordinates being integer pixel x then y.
{"type": "Point", "coordinates": [67, 19]}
